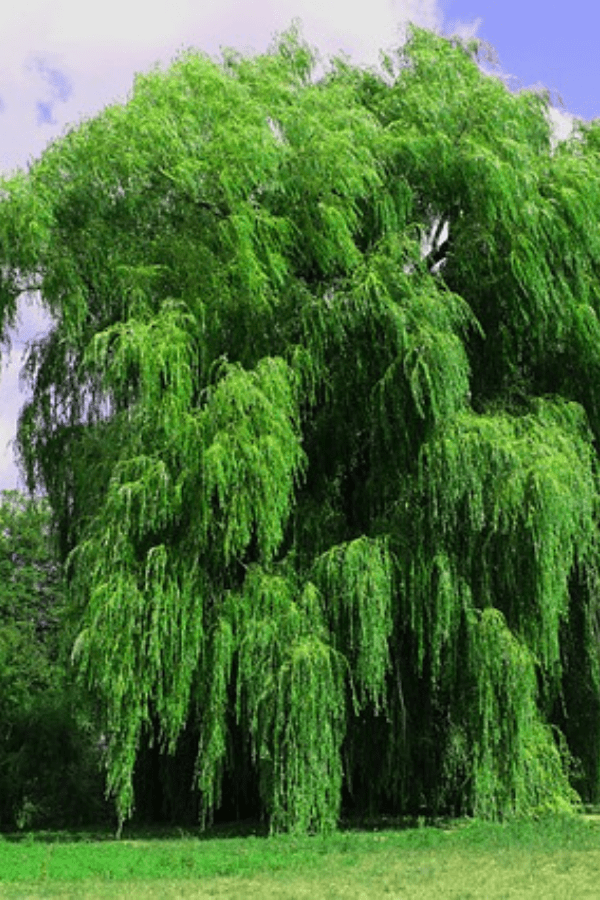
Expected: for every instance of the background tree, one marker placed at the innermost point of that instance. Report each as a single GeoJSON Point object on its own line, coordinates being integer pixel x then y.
{"type": "Point", "coordinates": [329, 508]}
{"type": "Point", "coordinates": [49, 764]}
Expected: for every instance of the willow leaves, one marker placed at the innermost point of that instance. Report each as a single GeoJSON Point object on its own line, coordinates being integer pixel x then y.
{"type": "Point", "coordinates": [327, 500]}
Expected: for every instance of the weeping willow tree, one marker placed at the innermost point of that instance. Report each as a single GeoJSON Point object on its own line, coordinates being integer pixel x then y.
{"type": "Point", "coordinates": [327, 501]}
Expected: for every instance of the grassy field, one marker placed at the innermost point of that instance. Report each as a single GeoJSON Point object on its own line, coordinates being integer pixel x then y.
{"type": "Point", "coordinates": [554, 859]}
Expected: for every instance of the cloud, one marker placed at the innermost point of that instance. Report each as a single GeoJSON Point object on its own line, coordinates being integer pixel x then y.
{"type": "Point", "coordinates": [12, 400]}
{"type": "Point", "coordinates": [60, 85]}
{"type": "Point", "coordinates": [87, 54]}
{"type": "Point", "coordinates": [60, 89]}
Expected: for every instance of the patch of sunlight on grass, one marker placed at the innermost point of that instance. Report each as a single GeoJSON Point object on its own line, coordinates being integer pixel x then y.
{"type": "Point", "coordinates": [550, 860]}
{"type": "Point", "coordinates": [421, 876]}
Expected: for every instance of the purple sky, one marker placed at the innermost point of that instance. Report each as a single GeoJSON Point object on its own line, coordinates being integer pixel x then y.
{"type": "Point", "coordinates": [61, 60]}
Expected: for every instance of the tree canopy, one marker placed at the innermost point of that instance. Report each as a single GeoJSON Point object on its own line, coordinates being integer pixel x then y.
{"type": "Point", "coordinates": [327, 504]}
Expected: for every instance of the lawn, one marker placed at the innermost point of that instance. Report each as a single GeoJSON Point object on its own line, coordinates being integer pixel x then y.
{"type": "Point", "coordinates": [462, 860]}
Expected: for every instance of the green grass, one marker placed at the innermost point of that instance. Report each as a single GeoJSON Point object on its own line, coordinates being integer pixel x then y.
{"type": "Point", "coordinates": [552, 858]}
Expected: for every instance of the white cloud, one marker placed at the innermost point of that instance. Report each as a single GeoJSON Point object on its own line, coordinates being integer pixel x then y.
{"type": "Point", "coordinates": [11, 405]}
{"type": "Point", "coordinates": [96, 48]}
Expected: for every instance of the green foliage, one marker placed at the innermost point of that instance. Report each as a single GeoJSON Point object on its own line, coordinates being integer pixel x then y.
{"type": "Point", "coordinates": [31, 598]}
{"type": "Point", "coordinates": [303, 476]}
{"type": "Point", "coordinates": [49, 772]}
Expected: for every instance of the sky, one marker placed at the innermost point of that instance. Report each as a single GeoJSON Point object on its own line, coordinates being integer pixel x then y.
{"type": "Point", "coordinates": [64, 60]}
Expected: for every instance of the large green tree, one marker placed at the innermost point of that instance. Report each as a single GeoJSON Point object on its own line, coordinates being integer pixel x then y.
{"type": "Point", "coordinates": [329, 506]}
